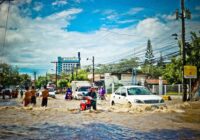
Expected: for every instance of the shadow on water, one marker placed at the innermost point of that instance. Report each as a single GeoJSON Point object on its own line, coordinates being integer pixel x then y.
{"type": "Point", "coordinates": [8, 102]}
{"type": "Point", "coordinates": [96, 131]}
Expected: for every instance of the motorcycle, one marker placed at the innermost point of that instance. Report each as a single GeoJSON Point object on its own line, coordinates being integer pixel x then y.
{"type": "Point", "coordinates": [68, 96]}
{"type": "Point", "coordinates": [85, 103]}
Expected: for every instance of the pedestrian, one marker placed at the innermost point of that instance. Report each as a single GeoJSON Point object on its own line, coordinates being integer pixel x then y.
{"type": "Point", "coordinates": [33, 95]}
{"type": "Point", "coordinates": [93, 95]}
{"type": "Point", "coordinates": [27, 96]}
{"type": "Point", "coordinates": [16, 93]}
{"type": "Point", "coordinates": [45, 94]}
{"type": "Point", "coordinates": [102, 93]}
{"type": "Point", "coordinates": [21, 93]}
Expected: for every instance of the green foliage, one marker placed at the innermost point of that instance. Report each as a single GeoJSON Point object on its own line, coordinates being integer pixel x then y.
{"type": "Point", "coordinates": [149, 53]}
{"type": "Point", "coordinates": [41, 81]}
{"type": "Point", "coordinates": [80, 75]}
{"type": "Point", "coordinates": [62, 83]}
{"type": "Point", "coordinates": [152, 71]}
{"type": "Point", "coordinates": [160, 62]}
{"type": "Point", "coordinates": [172, 72]}
{"type": "Point", "coordinates": [10, 76]}
{"type": "Point", "coordinates": [125, 65]}
{"type": "Point", "coordinates": [193, 52]}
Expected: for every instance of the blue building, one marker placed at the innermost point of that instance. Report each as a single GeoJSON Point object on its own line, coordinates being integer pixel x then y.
{"type": "Point", "coordinates": [68, 64]}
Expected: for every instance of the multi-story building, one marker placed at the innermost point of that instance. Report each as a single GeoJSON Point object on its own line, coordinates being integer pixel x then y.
{"type": "Point", "coordinates": [68, 64]}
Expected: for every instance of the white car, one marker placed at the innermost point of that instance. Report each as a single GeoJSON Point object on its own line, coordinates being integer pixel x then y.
{"type": "Point", "coordinates": [135, 95]}
{"type": "Point", "coordinates": [52, 92]}
{"type": "Point", "coordinates": [80, 92]}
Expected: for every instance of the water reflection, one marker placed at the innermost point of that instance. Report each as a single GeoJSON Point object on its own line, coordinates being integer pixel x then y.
{"type": "Point", "coordinates": [96, 131]}
{"type": "Point", "coordinates": [8, 102]}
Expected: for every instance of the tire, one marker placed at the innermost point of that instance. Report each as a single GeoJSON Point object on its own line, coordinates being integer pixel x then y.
{"type": "Point", "coordinates": [112, 103]}
{"type": "Point", "coordinates": [129, 104]}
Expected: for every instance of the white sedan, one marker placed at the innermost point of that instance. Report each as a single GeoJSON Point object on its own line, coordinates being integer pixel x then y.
{"type": "Point", "coordinates": [135, 95]}
{"type": "Point", "coordinates": [52, 92]}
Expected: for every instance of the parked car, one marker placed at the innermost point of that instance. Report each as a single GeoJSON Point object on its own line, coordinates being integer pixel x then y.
{"type": "Point", "coordinates": [80, 92]}
{"type": "Point", "coordinates": [135, 95]}
{"type": "Point", "coordinates": [6, 92]}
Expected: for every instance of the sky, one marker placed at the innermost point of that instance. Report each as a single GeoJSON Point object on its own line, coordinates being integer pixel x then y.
{"type": "Point", "coordinates": [38, 31]}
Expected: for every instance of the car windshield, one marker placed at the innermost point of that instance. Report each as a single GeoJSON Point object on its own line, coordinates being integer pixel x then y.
{"type": "Point", "coordinates": [138, 91]}
{"type": "Point", "coordinates": [83, 88]}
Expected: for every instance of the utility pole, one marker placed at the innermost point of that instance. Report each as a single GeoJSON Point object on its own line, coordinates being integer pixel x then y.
{"type": "Point", "coordinates": [34, 77]}
{"type": "Point", "coordinates": [93, 69]}
{"type": "Point", "coordinates": [72, 72]}
{"type": "Point", "coordinates": [185, 13]}
{"type": "Point", "coordinates": [56, 72]}
{"type": "Point", "coordinates": [46, 79]}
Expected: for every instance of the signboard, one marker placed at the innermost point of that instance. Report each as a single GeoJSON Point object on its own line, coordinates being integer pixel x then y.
{"type": "Point", "coordinates": [190, 72]}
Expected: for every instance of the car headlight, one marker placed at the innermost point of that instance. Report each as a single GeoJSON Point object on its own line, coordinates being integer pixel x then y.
{"type": "Point", "coordinates": [138, 101]}
{"type": "Point", "coordinates": [162, 101]}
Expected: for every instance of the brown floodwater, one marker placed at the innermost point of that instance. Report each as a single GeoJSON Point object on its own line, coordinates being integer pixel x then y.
{"type": "Point", "coordinates": [63, 120]}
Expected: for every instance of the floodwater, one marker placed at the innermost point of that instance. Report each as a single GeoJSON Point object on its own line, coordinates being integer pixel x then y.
{"type": "Point", "coordinates": [63, 120]}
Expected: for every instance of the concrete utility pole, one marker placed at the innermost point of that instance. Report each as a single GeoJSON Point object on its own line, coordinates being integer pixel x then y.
{"type": "Point", "coordinates": [56, 72]}
{"type": "Point", "coordinates": [34, 76]}
{"type": "Point", "coordinates": [73, 72]}
{"type": "Point", "coordinates": [185, 13]}
{"type": "Point", "coordinates": [93, 69]}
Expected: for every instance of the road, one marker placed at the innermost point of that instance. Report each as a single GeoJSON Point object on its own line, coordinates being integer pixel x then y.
{"type": "Point", "coordinates": [63, 120]}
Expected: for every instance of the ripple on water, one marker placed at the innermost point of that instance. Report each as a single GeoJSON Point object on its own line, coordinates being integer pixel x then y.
{"type": "Point", "coordinates": [91, 131]}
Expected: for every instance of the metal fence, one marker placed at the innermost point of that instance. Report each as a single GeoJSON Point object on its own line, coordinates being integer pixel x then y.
{"type": "Point", "coordinates": [166, 89]}
{"type": "Point", "coordinates": [177, 88]}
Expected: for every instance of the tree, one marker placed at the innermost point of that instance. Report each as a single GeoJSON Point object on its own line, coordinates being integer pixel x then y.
{"type": "Point", "coordinates": [80, 75]}
{"type": "Point", "coordinates": [41, 81]}
{"type": "Point", "coordinates": [172, 72]}
{"type": "Point", "coordinates": [125, 65]}
{"type": "Point", "coordinates": [149, 54]}
{"type": "Point", "coordinates": [62, 83]}
{"type": "Point", "coordinates": [9, 75]}
{"type": "Point", "coordinates": [193, 52]}
{"type": "Point", "coordinates": [160, 61]}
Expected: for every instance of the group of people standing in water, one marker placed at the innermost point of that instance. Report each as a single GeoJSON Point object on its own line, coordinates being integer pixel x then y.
{"type": "Point", "coordinates": [30, 96]}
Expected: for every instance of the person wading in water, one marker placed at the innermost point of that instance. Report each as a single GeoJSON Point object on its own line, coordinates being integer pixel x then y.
{"type": "Point", "coordinates": [45, 94]}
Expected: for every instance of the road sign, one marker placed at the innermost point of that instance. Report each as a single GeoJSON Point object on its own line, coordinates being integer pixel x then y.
{"type": "Point", "coordinates": [190, 72]}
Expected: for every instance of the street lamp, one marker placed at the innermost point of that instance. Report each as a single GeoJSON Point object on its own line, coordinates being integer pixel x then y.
{"type": "Point", "coordinates": [92, 68]}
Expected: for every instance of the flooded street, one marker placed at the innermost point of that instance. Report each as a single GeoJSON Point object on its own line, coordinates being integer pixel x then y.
{"type": "Point", "coordinates": [63, 120]}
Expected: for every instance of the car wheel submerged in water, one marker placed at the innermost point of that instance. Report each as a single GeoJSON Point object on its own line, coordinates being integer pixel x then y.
{"type": "Point", "coordinates": [129, 104]}
{"type": "Point", "coordinates": [112, 103]}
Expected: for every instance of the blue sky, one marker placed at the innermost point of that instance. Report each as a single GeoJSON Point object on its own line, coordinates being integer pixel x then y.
{"type": "Point", "coordinates": [41, 30]}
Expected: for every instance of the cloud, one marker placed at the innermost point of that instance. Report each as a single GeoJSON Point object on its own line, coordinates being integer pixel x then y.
{"type": "Point", "coordinates": [197, 8]}
{"type": "Point", "coordinates": [112, 15]}
{"type": "Point", "coordinates": [59, 2]}
{"type": "Point", "coordinates": [38, 6]}
{"type": "Point", "coordinates": [134, 11]}
{"type": "Point", "coordinates": [151, 27]}
{"type": "Point", "coordinates": [37, 42]}
{"type": "Point", "coordinates": [168, 17]}
{"type": "Point", "coordinates": [126, 21]}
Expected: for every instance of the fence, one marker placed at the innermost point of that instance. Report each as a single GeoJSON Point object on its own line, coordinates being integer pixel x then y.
{"type": "Point", "coordinates": [166, 89]}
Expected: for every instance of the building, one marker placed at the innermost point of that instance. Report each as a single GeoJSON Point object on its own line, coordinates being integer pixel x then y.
{"type": "Point", "coordinates": [68, 64]}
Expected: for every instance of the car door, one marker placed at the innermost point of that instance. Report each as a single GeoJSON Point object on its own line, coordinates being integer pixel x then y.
{"type": "Point", "coordinates": [123, 94]}
{"type": "Point", "coordinates": [116, 95]}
